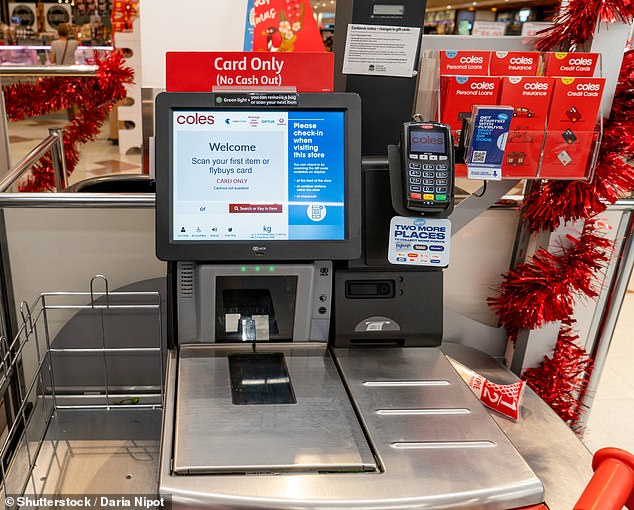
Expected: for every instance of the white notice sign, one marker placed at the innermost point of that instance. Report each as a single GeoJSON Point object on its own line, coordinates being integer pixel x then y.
{"type": "Point", "coordinates": [381, 50]}
{"type": "Point", "coordinates": [489, 28]}
{"type": "Point", "coordinates": [531, 28]}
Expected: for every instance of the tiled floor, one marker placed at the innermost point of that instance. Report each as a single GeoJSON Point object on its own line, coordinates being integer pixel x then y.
{"type": "Point", "coordinates": [100, 157]}
{"type": "Point", "coordinates": [611, 420]}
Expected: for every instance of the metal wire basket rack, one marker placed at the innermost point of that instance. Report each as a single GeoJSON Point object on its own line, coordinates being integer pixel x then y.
{"type": "Point", "coordinates": [85, 373]}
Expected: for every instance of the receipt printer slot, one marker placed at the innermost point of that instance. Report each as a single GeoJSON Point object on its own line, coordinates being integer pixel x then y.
{"type": "Point", "coordinates": [364, 289]}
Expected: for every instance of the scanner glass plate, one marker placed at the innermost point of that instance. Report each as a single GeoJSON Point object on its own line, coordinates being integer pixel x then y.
{"type": "Point", "coordinates": [260, 378]}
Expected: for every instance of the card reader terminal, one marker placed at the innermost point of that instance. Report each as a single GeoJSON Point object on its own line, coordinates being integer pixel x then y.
{"type": "Point", "coordinates": [428, 166]}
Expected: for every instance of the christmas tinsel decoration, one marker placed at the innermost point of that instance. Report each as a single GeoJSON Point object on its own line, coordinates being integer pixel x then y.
{"type": "Point", "coordinates": [551, 202]}
{"type": "Point", "coordinates": [545, 288]}
{"type": "Point", "coordinates": [578, 20]}
{"type": "Point", "coordinates": [562, 378]}
{"type": "Point", "coordinates": [94, 96]}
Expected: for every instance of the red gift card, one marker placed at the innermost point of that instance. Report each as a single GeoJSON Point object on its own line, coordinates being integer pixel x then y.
{"type": "Point", "coordinates": [461, 93]}
{"type": "Point", "coordinates": [530, 97]}
{"type": "Point", "coordinates": [575, 104]}
{"type": "Point", "coordinates": [200, 71]}
{"type": "Point", "coordinates": [463, 63]}
{"type": "Point", "coordinates": [563, 160]}
{"type": "Point", "coordinates": [514, 63]}
{"type": "Point", "coordinates": [570, 64]}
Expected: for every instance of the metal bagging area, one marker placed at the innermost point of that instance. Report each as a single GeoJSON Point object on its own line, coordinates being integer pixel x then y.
{"type": "Point", "coordinates": [96, 432]}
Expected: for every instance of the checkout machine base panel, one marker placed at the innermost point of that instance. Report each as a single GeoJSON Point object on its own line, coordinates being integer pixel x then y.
{"type": "Point", "coordinates": [417, 437]}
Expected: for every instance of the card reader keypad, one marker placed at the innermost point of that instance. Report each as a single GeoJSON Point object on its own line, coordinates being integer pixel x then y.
{"type": "Point", "coordinates": [434, 171]}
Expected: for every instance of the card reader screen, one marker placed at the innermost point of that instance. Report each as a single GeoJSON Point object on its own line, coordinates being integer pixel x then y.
{"type": "Point", "coordinates": [426, 140]}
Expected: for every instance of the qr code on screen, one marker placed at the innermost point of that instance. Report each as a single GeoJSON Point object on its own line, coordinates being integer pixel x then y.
{"type": "Point", "coordinates": [479, 156]}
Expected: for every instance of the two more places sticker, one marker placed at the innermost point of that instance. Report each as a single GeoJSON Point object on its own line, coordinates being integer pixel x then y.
{"type": "Point", "coordinates": [419, 242]}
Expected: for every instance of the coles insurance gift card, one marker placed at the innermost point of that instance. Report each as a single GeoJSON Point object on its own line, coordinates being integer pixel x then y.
{"type": "Point", "coordinates": [419, 242]}
{"type": "Point", "coordinates": [514, 63]}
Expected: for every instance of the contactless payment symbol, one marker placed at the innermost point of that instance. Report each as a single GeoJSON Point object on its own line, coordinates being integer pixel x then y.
{"type": "Point", "coordinates": [316, 212]}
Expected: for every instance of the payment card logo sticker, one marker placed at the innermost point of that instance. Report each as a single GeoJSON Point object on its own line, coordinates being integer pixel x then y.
{"type": "Point", "coordinates": [316, 212]}
{"type": "Point", "coordinates": [411, 239]}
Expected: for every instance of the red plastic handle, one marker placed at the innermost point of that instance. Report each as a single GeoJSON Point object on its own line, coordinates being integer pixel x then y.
{"type": "Point", "coordinates": [612, 485]}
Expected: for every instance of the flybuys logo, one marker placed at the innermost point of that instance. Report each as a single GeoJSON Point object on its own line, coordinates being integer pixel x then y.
{"type": "Point", "coordinates": [194, 119]}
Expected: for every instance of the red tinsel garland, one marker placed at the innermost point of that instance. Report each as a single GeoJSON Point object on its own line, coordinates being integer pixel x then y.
{"type": "Point", "coordinates": [578, 20]}
{"type": "Point", "coordinates": [550, 202]}
{"type": "Point", "coordinates": [544, 289]}
{"type": "Point", "coordinates": [94, 96]}
{"type": "Point", "coordinates": [563, 378]}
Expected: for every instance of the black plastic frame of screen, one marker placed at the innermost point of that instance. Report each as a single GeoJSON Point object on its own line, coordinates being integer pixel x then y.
{"type": "Point", "coordinates": [210, 251]}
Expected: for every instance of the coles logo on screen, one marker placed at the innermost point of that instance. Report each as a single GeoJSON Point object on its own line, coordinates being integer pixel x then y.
{"type": "Point", "coordinates": [194, 119]}
{"type": "Point", "coordinates": [425, 139]}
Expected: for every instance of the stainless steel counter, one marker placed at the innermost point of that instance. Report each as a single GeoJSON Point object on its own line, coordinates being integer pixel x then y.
{"type": "Point", "coordinates": [551, 449]}
{"type": "Point", "coordinates": [435, 445]}
{"type": "Point", "coordinates": [118, 451]}
{"type": "Point", "coordinates": [318, 432]}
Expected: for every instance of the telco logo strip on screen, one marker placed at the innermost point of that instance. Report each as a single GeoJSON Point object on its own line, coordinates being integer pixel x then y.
{"type": "Point", "coordinates": [258, 175]}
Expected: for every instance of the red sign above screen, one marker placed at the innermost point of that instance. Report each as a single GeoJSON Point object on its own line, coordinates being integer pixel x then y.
{"type": "Point", "coordinates": [201, 71]}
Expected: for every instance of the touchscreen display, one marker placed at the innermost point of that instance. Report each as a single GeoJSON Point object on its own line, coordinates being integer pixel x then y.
{"type": "Point", "coordinates": [427, 141]}
{"type": "Point", "coordinates": [258, 175]}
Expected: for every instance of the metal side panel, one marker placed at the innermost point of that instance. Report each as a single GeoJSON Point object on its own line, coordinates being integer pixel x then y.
{"type": "Point", "coordinates": [426, 424]}
{"type": "Point", "coordinates": [437, 448]}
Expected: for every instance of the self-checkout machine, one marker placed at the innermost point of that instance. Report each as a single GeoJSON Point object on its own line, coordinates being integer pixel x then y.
{"type": "Point", "coordinates": [304, 370]}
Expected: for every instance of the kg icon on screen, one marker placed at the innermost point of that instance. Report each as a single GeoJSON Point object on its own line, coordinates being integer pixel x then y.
{"type": "Point", "coordinates": [316, 212]}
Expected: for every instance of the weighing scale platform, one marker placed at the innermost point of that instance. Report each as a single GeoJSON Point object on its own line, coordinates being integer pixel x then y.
{"type": "Point", "coordinates": [401, 430]}
{"type": "Point", "coordinates": [318, 432]}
